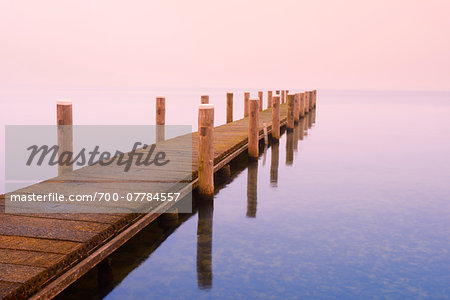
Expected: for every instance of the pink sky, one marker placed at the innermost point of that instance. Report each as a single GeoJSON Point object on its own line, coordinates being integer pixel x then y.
{"type": "Point", "coordinates": [347, 44]}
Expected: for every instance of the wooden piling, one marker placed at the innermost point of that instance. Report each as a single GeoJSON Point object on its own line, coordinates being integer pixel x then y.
{"type": "Point", "coordinates": [269, 99]}
{"type": "Point", "coordinates": [205, 99]}
{"type": "Point", "coordinates": [290, 112]}
{"type": "Point", "coordinates": [302, 104]}
{"type": "Point", "coordinates": [315, 98]}
{"type": "Point", "coordinates": [266, 136]}
{"type": "Point", "coordinates": [246, 103]}
{"type": "Point", "coordinates": [206, 151]}
{"type": "Point", "coordinates": [160, 118]}
{"type": "Point", "coordinates": [65, 135]}
{"type": "Point", "coordinates": [260, 96]}
{"type": "Point", "coordinates": [309, 100]}
{"type": "Point", "coordinates": [276, 118]}
{"type": "Point", "coordinates": [306, 97]}
{"type": "Point", "coordinates": [229, 107]}
{"type": "Point", "coordinates": [277, 92]}
{"type": "Point", "coordinates": [253, 130]}
{"type": "Point", "coordinates": [283, 97]}
{"type": "Point", "coordinates": [296, 107]}
{"type": "Point", "coordinates": [64, 112]}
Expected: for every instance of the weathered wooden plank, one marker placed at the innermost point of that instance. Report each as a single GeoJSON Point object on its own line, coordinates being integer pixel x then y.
{"type": "Point", "coordinates": [35, 244]}
{"type": "Point", "coordinates": [29, 258]}
{"type": "Point", "coordinates": [17, 273]}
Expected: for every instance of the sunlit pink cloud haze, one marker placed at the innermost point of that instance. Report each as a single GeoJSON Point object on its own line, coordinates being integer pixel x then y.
{"type": "Point", "coordinates": [348, 44]}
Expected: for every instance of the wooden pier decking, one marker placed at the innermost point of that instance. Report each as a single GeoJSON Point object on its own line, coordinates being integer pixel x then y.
{"type": "Point", "coordinates": [41, 254]}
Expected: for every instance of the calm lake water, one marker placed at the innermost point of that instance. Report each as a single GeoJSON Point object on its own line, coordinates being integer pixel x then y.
{"type": "Point", "coordinates": [354, 204]}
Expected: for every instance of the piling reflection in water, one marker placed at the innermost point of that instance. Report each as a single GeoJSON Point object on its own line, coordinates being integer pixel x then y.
{"type": "Point", "coordinates": [313, 117]}
{"type": "Point", "coordinates": [130, 256]}
{"type": "Point", "coordinates": [295, 133]}
{"type": "Point", "coordinates": [274, 164]}
{"type": "Point", "coordinates": [289, 148]}
{"type": "Point", "coordinates": [301, 126]}
{"type": "Point", "coordinates": [310, 118]}
{"type": "Point", "coordinates": [204, 245]}
{"type": "Point", "coordinates": [252, 189]}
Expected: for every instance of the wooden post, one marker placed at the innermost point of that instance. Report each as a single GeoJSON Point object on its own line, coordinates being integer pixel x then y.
{"type": "Point", "coordinates": [260, 96]}
{"type": "Point", "coordinates": [269, 99]}
{"type": "Point", "coordinates": [277, 92]}
{"type": "Point", "coordinates": [296, 107]}
{"type": "Point", "coordinates": [64, 112]}
{"type": "Point", "coordinates": [229, 107]}
{"type": "Point", "coordinates": [160, 118]}
{"type": "Point", "coordinates": [283, 95]}
{"type": "Point", "coordinates": [246, 103]}
{"type": "Point", "coordinates": [306, 96]}
{"type": "Point", "coordinates": [314, 98]}
{"type": "Point", "coordinates": [290, 112]}
{"type": "Point", "coordinates": [302, 104]}
{"type": "Point", "coordinates": [266, 137]}
{"type": "Point", "coordinates": [276, 118]}
{"type": "Point", "coordinates": [206, 150]}
{"type": "Point", "coordinates": [205, 99]}
{"type": "Point", "coordinates": [65, 135]}
{"type": "Point", "coordinates": [309, 100]}
{"type": "Point", "coordinates": [253, 129]}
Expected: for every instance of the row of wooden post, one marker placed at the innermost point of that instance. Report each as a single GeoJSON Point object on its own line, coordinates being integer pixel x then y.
{"type": "Point", "coordinates": [297, 104]}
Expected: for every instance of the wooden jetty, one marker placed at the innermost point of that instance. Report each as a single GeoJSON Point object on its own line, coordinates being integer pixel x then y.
{"type": "Point", "coordinates": [42, 254]}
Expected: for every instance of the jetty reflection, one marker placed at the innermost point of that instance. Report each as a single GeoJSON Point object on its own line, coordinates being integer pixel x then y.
{"type": "Point", "coordinates": [101, 281]}
{"type": "Point", "coordinates": [204, 245]}
{"type": "Point", "coordinates": [289, 148]}
{"type": "Point", "coordinates": [274, 164]}
{"type": "Point", "coordinates": [252, 188]}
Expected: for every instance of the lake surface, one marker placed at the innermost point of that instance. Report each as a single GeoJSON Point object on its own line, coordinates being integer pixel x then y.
{"type": "Point", "coordinates": [354, 204]}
